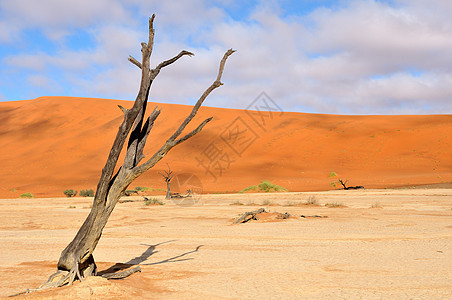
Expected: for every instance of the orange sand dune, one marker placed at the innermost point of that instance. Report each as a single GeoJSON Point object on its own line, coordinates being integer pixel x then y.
{"type": "Point", "coordinates": [50, 144]}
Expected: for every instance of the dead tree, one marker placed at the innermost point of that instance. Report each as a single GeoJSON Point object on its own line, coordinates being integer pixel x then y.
{"type": "Point", "coordinates": [249, 215]}
{"type": "Point", "coordinates": [167, 177]}
{"type": "Point", "coordinates": [358, 187]}
{"type": "Point", "coordinates": [343, 183]}
{"type": "Point", "coordinates": [76, 260]}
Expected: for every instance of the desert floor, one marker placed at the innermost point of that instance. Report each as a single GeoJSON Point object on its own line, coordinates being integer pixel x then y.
{"type": "Point", "coordinates": [384, 244]}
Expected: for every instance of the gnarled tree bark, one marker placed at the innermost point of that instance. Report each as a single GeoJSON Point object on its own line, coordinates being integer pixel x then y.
{"type": "Point", "coordinates": [76, 260]}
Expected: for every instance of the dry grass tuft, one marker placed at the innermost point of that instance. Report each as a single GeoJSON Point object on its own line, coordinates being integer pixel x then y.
{"type": "Point", "coordinates": [335, 205]}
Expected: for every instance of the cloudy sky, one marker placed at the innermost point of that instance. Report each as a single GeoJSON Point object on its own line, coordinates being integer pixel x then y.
{"type": "Point", "coordinates": [340, 57]}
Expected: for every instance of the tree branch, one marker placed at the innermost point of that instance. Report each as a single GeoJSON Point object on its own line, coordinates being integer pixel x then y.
{"type": "Point", "coordinates": [251, 214]}
{"type": "Point", "coordinates": [191, 134]}
{"type": "Point", "coordinates": [168, 174]}
{"type": "Point", "coordinates": [171, 142]}
{"type": "Point", "coordinates": [134, 61]}
{"type": "Point", "coordinates": [203, 97]}
{"type": "Point", "coordinates": [168, 62]}
{"type": "Point", "coordinates": [129, 119]}
{"type": "Point", "coordinates": [222, 63]}
{"type": "Point", "coordinates": [145, 133]}
{"type": "Point", "coordinates": [343, 183]}
{"type": "Point", "coordinates": [151, 30]}
{"type": "Point", "coordinates": [163, 64]}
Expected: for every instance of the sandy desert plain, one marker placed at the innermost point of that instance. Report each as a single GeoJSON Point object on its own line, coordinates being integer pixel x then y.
{"type": "Point", "coordinates": [391, 240]}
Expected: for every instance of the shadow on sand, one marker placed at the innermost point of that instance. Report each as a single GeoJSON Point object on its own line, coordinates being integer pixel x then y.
{"type": "Point", "coordinates": [139, 260]}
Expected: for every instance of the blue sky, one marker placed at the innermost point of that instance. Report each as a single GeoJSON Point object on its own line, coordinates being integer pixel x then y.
{"type": "Point", "coordinates": [342, 57]}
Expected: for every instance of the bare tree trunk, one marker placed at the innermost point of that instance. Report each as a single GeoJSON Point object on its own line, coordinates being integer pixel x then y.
{"type": "Point", "coordinates": [168, 190]}
{"type": "Point", "coordinates": [77, 257]}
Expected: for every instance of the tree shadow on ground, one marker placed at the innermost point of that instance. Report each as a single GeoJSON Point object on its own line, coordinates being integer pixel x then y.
{"type": "Point", "coordinates": [144, 256]}
{"type": "Point", "coordinates": [175, 258]}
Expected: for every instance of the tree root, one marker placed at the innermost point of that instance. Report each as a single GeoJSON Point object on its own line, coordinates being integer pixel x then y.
{"type": "Point", "coordinates": [61, 278]}
{"type": "Point", "coordinates": [122, 274]}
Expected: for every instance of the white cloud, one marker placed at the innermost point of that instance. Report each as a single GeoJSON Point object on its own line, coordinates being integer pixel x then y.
{"type": "Point", "coordinates": [57, 17]}
{"type": "Point", "coordinates": [391, 37]}
{"type": "Point", "coordinates": [7, 31]}
{"type": "Point", "coordinates": [35, 62]}
{"type": "Point", "coordinates": [180, 18]}
{"type": "Point", "coordinates": [102, 70]}
{"type": "Point", "coordinates": [43, 82]}
{"type": "Point", "coordinates": [326, 62]}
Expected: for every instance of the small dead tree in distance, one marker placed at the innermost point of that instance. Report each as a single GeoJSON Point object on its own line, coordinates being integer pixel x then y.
{"type": "Point", "coordinates": [76, 260]}
{"type": "Point", "coordinates": [343, 183]}
{"type": "Point", "coordinates": [167, 177]}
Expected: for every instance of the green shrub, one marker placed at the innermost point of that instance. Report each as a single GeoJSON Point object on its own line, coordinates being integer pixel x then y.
{"type": "Point", "coordinates": [141, 188]}
{"type": "Point", "coordinates": [266, 186]}
{"type": "Point", "coordinates": [27, 195]}
{"type": "Point", "coordinates": [250, 188]}
{"type": "Point", "coordinates": [333, 175]}
{"type": "Point", "coordinates": [70, 193]}
{"type": "Point", "coordinates": [86, 193]}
